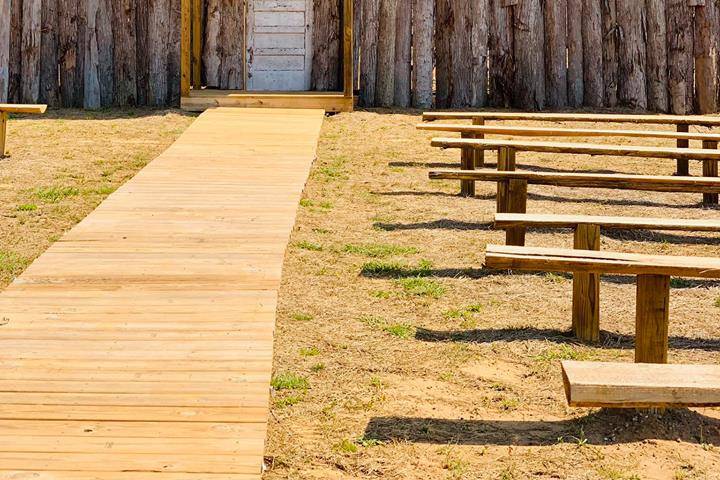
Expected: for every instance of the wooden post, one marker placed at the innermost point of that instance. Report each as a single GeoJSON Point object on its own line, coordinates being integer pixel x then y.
{"type": "Point", "coordinates": [511, 196]}
{"type": "Point", "coordinates": [348, 42]}
{"type": "Point", "coordinates": [652, 319]}
{"type": "Point", "coordinates": [185, 48]}
{"type": "Point", "coordinates": [710, 169]}
{"type": "Point", "coordinates": [683, 166]}
{"type": "Point", "coordinates": [479, 155]}
{"type": "Point", "coordinates": [3, 134]}
{"type": "Point", "coordinates": [197, 6]}
{"type": "Point", "coordinates": [586, 289]}
{"type": "Point", "coordinates": [467, 162]}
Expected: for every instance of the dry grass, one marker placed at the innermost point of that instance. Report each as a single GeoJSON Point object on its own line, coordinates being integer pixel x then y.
{"type": "Point", "coordinates": [63, 165]}
{"type": "Point", "coordinates": [409, 361]}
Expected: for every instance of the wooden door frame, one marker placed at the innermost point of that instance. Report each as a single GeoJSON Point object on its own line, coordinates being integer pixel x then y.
{"type": "Point", "coordinates": [191, 46]}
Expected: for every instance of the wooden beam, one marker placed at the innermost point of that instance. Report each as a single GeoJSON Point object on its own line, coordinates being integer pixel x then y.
{"type": "Point", "coordinates": [652, 318]}
{"type": "Point", "coordinates": [586, 288]}
{"type": "Point", "coordinates": [185, 47]}
{"type": "Point", "coordinates": [197, 33]}
{"type": "Point", "coordinates": [348, 64]}
{"type": "Point", "coordinates": [699, 120]}
{"type": "Point", "coordinates": [504, 220]}
{"type": "Point", "coordinates": [683, 167]}
{"type": "Point", "coordinates": [21, 108]}
{"type": "Point", "coordinates": [710, 169]}
{"type": "Point", "coordinates": [467, 162]}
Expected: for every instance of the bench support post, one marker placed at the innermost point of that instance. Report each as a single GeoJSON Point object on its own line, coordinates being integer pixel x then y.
{"type": "Point", "coordinates": [511, 196]}
{"type": "Point", "coordinates": [586, 289]}
{"type": "Point", "coordinates": [683, 166]}
{"type": "Point", "coordinates": [479, 155]}
{"type": "Point", "coordinates": [710, 169]}
{"type": "Point", "coordinates": [467, 162]}
{"type": "Point", "coordinates": [652, 319]}
{"type": "Point", "coordinates": [3, 133]}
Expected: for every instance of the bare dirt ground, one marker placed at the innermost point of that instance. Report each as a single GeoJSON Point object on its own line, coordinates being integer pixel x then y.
{"type": "Point", "coordinates": [399, 357]}
{"type": "Point", "coordinates": [63, 164]}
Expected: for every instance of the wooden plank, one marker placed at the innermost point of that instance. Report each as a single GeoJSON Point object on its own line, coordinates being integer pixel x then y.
{"type": "Point", "coordinates": [580, 148]}
{"type": "Point", "coordinates": [563, 260]}
{"type": "Point", "coordinates": [627, 385]}
{"type": "Point", "coordinates": [565, 132]}
{"type": "Point", "coordinates": [652, 319]}
{"type": "Point", "coordinates": [700, 120]}
{"type": "Point", "coordinates": [586, 288]}
{"type": "Point", "coordinates": [504, 220]}
{"type": "Point", "coordinates": [589, 180]}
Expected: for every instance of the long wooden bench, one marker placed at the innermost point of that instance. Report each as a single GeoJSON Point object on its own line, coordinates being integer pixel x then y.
{"type": "Point", "coordinates": [627, 385]}
{"type": "Point", "coordinates": [653, 282]}
{"type": "Point", "coordinates": [586, 286]}
{"type": "Point", "coordinates": [507, 149]}
{"type": "Point", "coordinates": [8, 108]}
{"type": "Point", "coordinates": [682, 122]}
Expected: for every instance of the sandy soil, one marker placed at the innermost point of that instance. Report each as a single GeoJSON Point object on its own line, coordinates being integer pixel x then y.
{"type": "Point", "coordinates": [420, 364]}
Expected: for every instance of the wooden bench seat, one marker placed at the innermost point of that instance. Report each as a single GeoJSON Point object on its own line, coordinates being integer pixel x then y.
{"type": "Point", "coordinates": [627, 385]}
{"type": "Point", "coordinates": [510, 220]}
{"type": "Point", "coordinates": [699, 120]}
{"type": "Point", "coordinates": [653, 284]}
{"type": "Point", "coordinates": [5, 110]}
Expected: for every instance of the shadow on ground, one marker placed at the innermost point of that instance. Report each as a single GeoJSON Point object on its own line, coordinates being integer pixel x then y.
{"type": "Point", "coordinates": [604, 427]}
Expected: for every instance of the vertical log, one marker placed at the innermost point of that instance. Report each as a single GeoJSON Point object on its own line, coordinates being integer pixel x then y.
{"type": "Point", "coordinates": [502, 58]}
{"type": "Point", "coordinates": [586, 288]}
{"type": "Point", "coordinates": [357, 40]}
{"type": "Point", "coordinates": [4, 116]}
{"type": "Point", "coordinates": [556, 79]}
{"type": "Point", "coordinates": [15, 64]}
{"type": "Point", "coordinates": [5, 12]}
{"type": "Point", "coordinates": [610, 53]}
{"type": "Point", "coordinates": [529, 55]}
{"type": "Point", "coordinates": [68, 52]}
{"type": "Point", "coordinates": [124, 53]}
{"type": "Point", "coordinates": [49, 87]}
{"type": "Point", "coordinates": [657, 68]}
{"type": "Point", "coordinates": [576, 88]}
{"type": "Point", "coordinates": [212, 48]}
{"type": "Point", "coordinates": [142, 63]}
{"type": "Point", "coordinates": [31, 35]}
{"type": "Point", "coordinates": [158, 23]}
{"type": "Point", "coordinates": [632, 54]}
{"type": "Point", "coordinates": [652, 319]}
{"type": "Point", "coordinates": [710, 169]}
{"type": "Point", "coordinates": [422, 47]}
{"type": "Point", "coordinates": [707, 32]}
{"type": "Point", "coordinates": [368, 52]}
{"type": "Point", "coordinates": [326, 45]}
{"type": "Point", "coordinates": [467, 162]}
{"type": "Point", "coordinates": [444, 25]}
{"type": "Point", "coordinates": [92, 57]}
{"type": "Point", "coordinates": [230, 41]}
{"type": "Point", "coordinates": [403, 53]}
{"type": "Point", "coordinates": [385, 86]}
{"type": "Point", "coordinates": [173, 53]}
{"type": "Point", "coordinates": [480, 51]}
{"type": "Point", "coordinates": [680, 56]}
{"type": "Point", "coordinates": [593, 78]}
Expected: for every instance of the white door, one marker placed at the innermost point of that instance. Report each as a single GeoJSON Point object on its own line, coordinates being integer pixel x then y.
{"type": "Point", "coordinates": [279, 46]}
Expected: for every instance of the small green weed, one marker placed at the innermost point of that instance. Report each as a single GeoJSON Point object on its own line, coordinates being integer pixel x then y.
{"type": "Point", "coordinates": [318, 367]}
{"type": "Point", "coordinates": [288, 401]}
{"type": "Point", "coordinates": [346, 446]}
{"type": "Point", "coordinates": [400, 330]}
{"type": "Point", "coordinates": [309, 352]}
{"type": "Point", "coordinates": [396, 269]}
{"type": "Point", "coordinates": [55, 194]}
{"type": "Point", "coordinates": [305, 245]}
{"type": "Point", "coordinates": [379, 250]}
{"type": "Point", "coordinates": [289, 381]}
{"type": "Point", "coordinates": [26, 207]}
{"type": "Point", "coordinates": [302, 317]}
{"type": "Point", "coordinates": [554, 277]}
{"type": "Point", "coordinates": [384, 294]}
{"type": "Point", "coordinates": [422, 287]}
{"type": "Point", "coordinates": [11, 263]}
{"type": "Point", "coordinates": [372, 321]}
{"type": "Point", "coordinates": [717, 302]}
{"type": "Point", "coordinates": [562, 352]}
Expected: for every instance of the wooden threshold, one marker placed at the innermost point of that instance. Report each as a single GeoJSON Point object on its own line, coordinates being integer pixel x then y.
{"type": "Point", "coordinates": [331, 102]}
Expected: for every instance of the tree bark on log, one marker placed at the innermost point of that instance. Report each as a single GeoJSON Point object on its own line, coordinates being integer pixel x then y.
{"type": "Point", "coordinates": [368, 52]}
{"type": "Point", "coordinates": [385, 86]}
{"type": "Point", "coordinates": [707, 32]}
{"type": "Point", "coordinates": [105, 52]}
{"type": "Point", "coordinates": [173, 53]}
{"type": "Point", "coordinates": [502, 58]}
{"type": "Point", "coordinates": [632, 54]}
{"type": "Point", "coordinates": [610, 53]}
{"type": "Point", "coordinates": [556, 80]}
{"type": "Point", "coordinates": [423, 58]}
{"type": "Point", "coordinates": [593, 78]}
{"type": "Point", "coordinates": [142, 62]}
{"type": "Point", "coordinates": [403, 53]}
{"type": "Point", "coordinates": [358, 17]}
{"type": "Point", "coordinates": [230, 41]}
{"type": "Point", "coordinates": [454, 53]}
{"type": "Point", "coordinates": [480, 51]}
{"type": "Point", "coordinates": [657, 67]}
{"type": "Point", "coordinates": [125, 52]}
{"type": "Point", "coordinates": [49, 86]}
{"type": "Point", "coordinates": [326, 46]}
{"type": "Point", "coordinates": [211, 49]}
{"type": "Point", "coordinates": [680, 56]}
{"type": "Point", "coordinates": [5, 12]}
{"type": "Point", "coordinates": [15, 64]}
{"type": "Point", "coordinates": [91, 76]}
{"type": "Point", "coordinates": [529, 55]}
{"type": "Point", "coordinates": [31, 35]}
{"type": "Point", "coordinates": [576, 87]}
{"type": "Point", "coordinates": [158, 23]}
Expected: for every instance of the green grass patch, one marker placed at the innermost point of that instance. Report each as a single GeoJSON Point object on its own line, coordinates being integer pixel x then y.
{"type": "Point", "coordinates": [396, 269]}
{"type": "Point", "coordinates": [400, 330]}
{"type": "Point", "coordinates": [554, 277]}
{"type": "Point", "coordinates": [302, 317]}
{"type": "Point", "coordinates": [289, 381]}
{"type": "Point", "coordinates": [26, 207]}
{"type": "Point", "coordinates": [717, 302]}
{"type": "Point", "coordinates": [55, 194]}
{"type": "Point", "coordinates": [379, 250]}
{"type": "Point", "coordinates": [346, 446]}
{"type": "Point", "coordinates": [313, 247]}
{"type": "Point", "coordinates": [318, 367]}
{"type": "Point", "coordinates": [288, 401]}
{"type": "Point", "coordinates": [383, 294]}
{"type": "Point", "coordinates": [562, 352]}
{"type": "Point", "coordinates": [11, 264]}
{"type": "Point", "coordinates": [422, 287]}
{"type": "Point", "coordinates": [309, 352]}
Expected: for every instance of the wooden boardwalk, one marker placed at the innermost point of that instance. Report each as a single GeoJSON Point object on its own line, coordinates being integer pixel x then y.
{"type": "Point", "coordinates": [139, 346]}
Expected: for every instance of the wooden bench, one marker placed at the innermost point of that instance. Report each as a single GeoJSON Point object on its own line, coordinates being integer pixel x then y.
{"type": "Point", "coordinates": [653, 282]}
{"type": "Point", "coordinates": [627, 385]}
{"type": "Point", "coordinates": [507, 149]}
{"type": "Point", "coordinates": [5, 110]}
{"type": "Point", "coordinates": [682, 122]}
{"type": "Point", "coordinates": [586, 286]}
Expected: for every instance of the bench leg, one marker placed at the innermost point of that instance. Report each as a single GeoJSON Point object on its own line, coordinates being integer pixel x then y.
{"type": "Point", "coordinates": [3, 134]}
{"type": "Point", "coordinates": [512, 198]}
{"type": "Point", "coordinates": [710, 169]}
{"type": "Point", "coordinates": [683, 166]}
{"type": "Point", "coordinates": [479, 155]}
{"type": "Point", "coordinates": [467, 162]}
{"type": "Point", "coordinates": [652, 319]}
{"type": "Point", "coordinates": [586, 289]}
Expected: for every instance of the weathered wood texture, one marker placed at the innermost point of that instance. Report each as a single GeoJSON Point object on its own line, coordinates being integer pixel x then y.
{"type": "Point", "coordinates": [423, 27]}
{"type": "Point", "coordinates": [327, 56]}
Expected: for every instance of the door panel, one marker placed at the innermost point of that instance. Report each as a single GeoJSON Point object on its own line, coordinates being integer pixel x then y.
{"type": "Point", "coordinates": [279, 45]}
